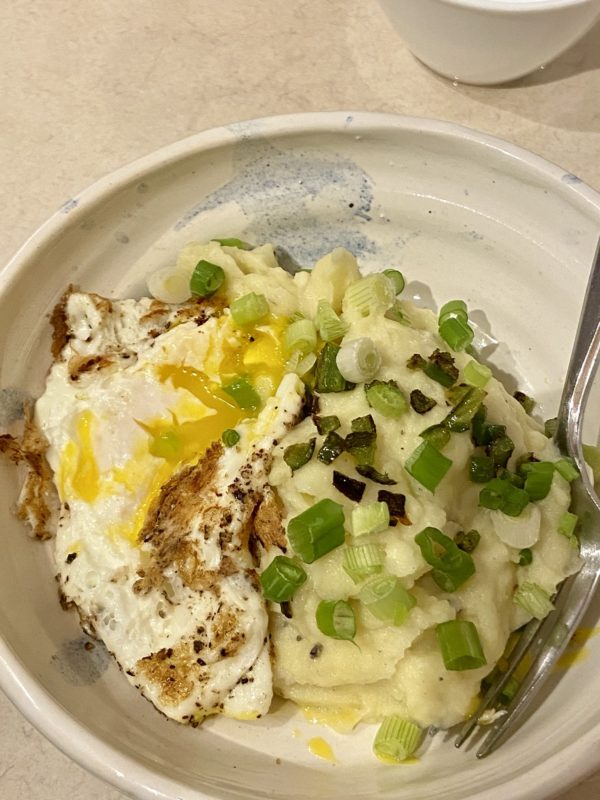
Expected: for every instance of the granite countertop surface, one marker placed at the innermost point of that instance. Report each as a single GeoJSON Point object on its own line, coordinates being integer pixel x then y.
{"type": "Point", "coordinates": [89, 86]}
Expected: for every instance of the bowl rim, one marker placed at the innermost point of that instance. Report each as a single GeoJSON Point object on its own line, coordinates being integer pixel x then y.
{"type": "Point", "coordinates": [519, 6]}
{"type": "Point", "coordinates": [30, 698]}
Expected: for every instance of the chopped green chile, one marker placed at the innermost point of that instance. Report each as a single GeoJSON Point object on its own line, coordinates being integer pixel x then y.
{"type": "Point", "coordinates": [362, 424]}
{"type": "Point", "coordinates": [438, 436]}
{"type": "Point", "coordinates": [420, 402]}
{"type": "Point", "coordinates": [500, 450]}
{"type": "Point", "coordinates": [416, 361]}
{"type": "Point", "coordinates": [527, 402]}
{"type": "Point", "coordinates": [460, 645]}
{"type": "Point", "coordinates": [451, 565]}
{"type": "Point", "coordinates": [467, 540]}
{"type": "Point", "coordinates": [427, 465]}
{"type": "Point", "coordinates": [461, 416]}
{"type": "Point", "coordinates": [374, 475]}
{"type": "Point", "coordinates": [481, 469]}
{"type": "Point", "coordinates": [335, 618]}
{"type": "Point", "coordinates": [281, 578]}
{"type": "Point", "coordinates": [349, 487]}
{"type": "Point", "coordinates": [396, 503]}
{"type": "Point", "coordinates": [316, 531]}
{"type": "Point", "coordinates": [327, 424]}
{"type": "Point", "coordinates": [297, 455]}
{"type": "Point", "coordinates": [550, 427]}
{"type": "Point", "coordinates": [328, 378]}
{"type": "Point", "coordinates": [387, 398]}
{"type": "Point", "coordinates": [440, 367]}
{"type": "Point", "coordinates": [361, 446]}
{"type": "Point", "coordinates": [525, 557]}
{"type": "Point", "coordinates": [332, 447]}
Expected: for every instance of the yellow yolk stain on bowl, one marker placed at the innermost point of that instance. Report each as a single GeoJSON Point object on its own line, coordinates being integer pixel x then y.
{"type": "Point", "coordinates": [78, 472]}
{"type": "Point", "coordinates": [341, 720]}
{"type": "Point", "coordinates": [577, 651]}
{"type": "Point", "coordinates": [320, 748]}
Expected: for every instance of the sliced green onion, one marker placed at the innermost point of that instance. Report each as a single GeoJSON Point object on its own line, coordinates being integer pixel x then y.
{"type": "Point", "coordinates": [567, 524]}
{"type": "Point", "coordinates": [206, 279]}
{"type": "Point", "coordinates": [396, 314]}
{"type": "Point", "coordinates": [420, 402]}
{"type": "Point", "coordinates": [249, 309]}
{"type": "Point", "coordinates": [367, 471]}
{"type": "Point", "coordinates": [305, 364]}
{"type": "Point", "coordinates": [440, 367]}
{"type": "Point", "coordinates": [358, 360]}
{"type": "Point", "coordinates": [297, 455]}
{"type": "Point", "coordinates": [457, 307]}
{"type": "Point", "coordinates": [281, 578]}
{"type": "Point", "coordinates": [533, 599]}
{"type": "Point", "coordinates": [525, 557]}
{"type": "Point", "coordinates": [477, 374]}
{"type": "Point", "coordinates": [387, 599]}
{"type": "Point", "coordinates": [438, 436]}
{"type": "Point", "coordinates": [166, 445]}
{"type": "Point", "coordinates": [477, 425]}
{"type": "Point", "coordinates": [461, 416]}
{"type": "Point", "coordinates": [331, 328]}
{"type": "Point", "coordinates": [332, 447]}
{"type": "Point", "coordinates": [327, 424]}
{"type": "Point", "coordinates": [243, 393]}
{"type": "Point", "coordinates": [550, 427]}
{"type": "Point", "coordinates": [362, 560]}
{"type": "Point", "coordinates": [456, 393]}
{"type": "Point", "coordinates": [370, 518]}
{"type": "Point", "coordinates": [349, 487]}
{"type": "Point", "coordinates": [527, 402]}
{"type": "Point", "coordinates": [455, 332]}
{"type": "Point", "coordinates": [500, 449]}
{"type": "Point", "coordinates": [396, 740]}
{"type": "Point", "coordinates": [538, 479]}
{"type": "Point", "coordinates": [335, 618]}
{"type": "Point", "coordinates": [328, 378]}
{"type": "Point", "coordinates": [460, 645]}
{"type": "Point", "coordinates": [386, 398]}
{"type": "Point", "coordinates": [566, 467]}
{"type": "Point", "coordinates": [481, 469]}
{"type": "Point", "coordinates": [511, 687]}
{"type": "Point", "coordinates": [501, 495]}
{"type": "Point", "coordinates": [230, 437]}
{"type": "Point", "coordinates": [427, 465]}
{"type": "Point", "coordinates": [232, 242]}
{"type": "Point", "coordinates": [467, 540]}
{"type": "Point", "coordinates": [371, 295]}
{"type": "Point", "coordinates": [316, 531]}
{"type": "Point", "coordinates": [396, 503]}
{"type": "Point", "coordinates": [302, 336]}
{"type": "Point", "coordinates": [591, 455]}
{"type": "Point", "coordinates": [451, 565]}
{"type": "Point", "coordinates": [397, 279]}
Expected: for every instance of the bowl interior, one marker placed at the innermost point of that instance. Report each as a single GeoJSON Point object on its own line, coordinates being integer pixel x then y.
{"type": "Point", "coordinates": [460, 215]}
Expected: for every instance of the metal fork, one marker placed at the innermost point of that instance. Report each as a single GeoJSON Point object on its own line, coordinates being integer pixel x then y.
{"type": "Point", "coordinates": [542, 642]}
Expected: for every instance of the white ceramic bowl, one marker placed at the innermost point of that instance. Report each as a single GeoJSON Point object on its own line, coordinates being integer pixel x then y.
{"type": "Point", "coordinates": [490, 41]}
{"type": "Point", "coordinates": [460, 213]}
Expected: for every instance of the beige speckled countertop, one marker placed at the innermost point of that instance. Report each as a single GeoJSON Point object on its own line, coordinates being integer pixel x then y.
{"type": "Point", "coordinates": [88, 86]}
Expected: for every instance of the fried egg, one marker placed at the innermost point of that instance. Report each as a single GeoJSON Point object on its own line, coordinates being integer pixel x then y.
{"type": "Point", "coordinates": [157, 516]}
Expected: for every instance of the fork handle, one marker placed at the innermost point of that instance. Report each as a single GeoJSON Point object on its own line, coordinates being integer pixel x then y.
{"type": "Point", "coordinates": [580, 373]}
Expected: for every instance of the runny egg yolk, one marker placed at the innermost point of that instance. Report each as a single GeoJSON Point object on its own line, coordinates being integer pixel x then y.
{"type": "Point", "coordinates": [79, 474]}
